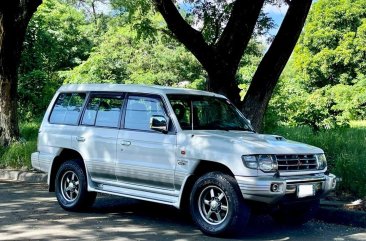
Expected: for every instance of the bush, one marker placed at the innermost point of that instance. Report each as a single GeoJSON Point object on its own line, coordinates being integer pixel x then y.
{"type": "Point", "coordinates": [17, 155]}
{"type": "Point", "coordinates": [345, 149]}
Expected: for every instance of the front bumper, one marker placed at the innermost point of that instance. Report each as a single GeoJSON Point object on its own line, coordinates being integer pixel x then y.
{"type": "Point", "coordinates": [273, 189]}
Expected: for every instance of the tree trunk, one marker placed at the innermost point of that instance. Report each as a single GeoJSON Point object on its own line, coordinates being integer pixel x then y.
{"type": "Point", "coordinates": [8, 117]}
{"type": "Point", "coordinates": [268, 72]}
{"type": "Point", "coordinates": [14, 19]}
{"type": "Point", "coordinates": [221, 80]}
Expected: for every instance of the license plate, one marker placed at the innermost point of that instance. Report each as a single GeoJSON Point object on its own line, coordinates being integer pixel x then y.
{"type": "Point", "coordinates": [305, 191]}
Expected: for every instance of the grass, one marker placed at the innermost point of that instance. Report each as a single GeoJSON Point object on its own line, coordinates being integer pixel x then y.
{"type": "Point", "coordinates": [345, 149]}
{"type": "Point", "coordinates": [17, 155]}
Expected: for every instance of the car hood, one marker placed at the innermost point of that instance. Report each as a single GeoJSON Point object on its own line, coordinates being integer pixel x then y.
{"type": "Point", "coordinates": [246, 142]}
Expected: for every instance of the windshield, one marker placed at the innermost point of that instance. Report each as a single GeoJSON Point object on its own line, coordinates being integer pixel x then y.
{"type": "Point", "coordinates": [195, 112]}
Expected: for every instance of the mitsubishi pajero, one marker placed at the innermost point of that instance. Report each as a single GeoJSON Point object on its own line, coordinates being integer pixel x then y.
{"type": "Point", "coordinates": [186, 148]}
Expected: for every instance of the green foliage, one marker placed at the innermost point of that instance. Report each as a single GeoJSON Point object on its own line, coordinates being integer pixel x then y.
{"type": "Point", "coordinates": [332, 49]}
{"type": "Point", "coordinates": [138, 14]}
{"type": "Point", "coordinates": [292, 105]}
{"type": "Point", "coordinates": [17, 155]}
{"type": "Point", "coordinates": [56, 40]}
{"type": "Point", "coordinates": [248, 65]}
{"type": "Point", "coordinates": [122, 57]}
{"type": "Point", "coordinates": [324, 85]}
{"type": "Point", "coordinates": [345, 149]}
{"type": "Point", "coordinates": [31, 104]}
{"type": "Point", "coordinates": [208, 17]}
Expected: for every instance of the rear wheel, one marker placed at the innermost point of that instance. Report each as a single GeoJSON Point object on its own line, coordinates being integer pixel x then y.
{"type": "Point", "coordinates": [71, 187]}
{"type": "Point", "coordinates": [296, 214]}
{"type": "Point", "coordinates": [216, 205]}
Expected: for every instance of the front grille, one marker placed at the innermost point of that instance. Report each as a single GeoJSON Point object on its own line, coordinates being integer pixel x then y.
{"type": "Point", "coordinates": [296, 162]}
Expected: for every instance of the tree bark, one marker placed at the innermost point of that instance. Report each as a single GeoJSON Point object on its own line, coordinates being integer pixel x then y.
{"type": "Point", "coordinates": [271, 66]}
{"type": "Point", "coordinates": [222, 80]}
{"type": "Point", "coordinates": [14, 18]}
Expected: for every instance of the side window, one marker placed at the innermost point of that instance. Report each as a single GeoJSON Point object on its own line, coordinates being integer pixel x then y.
{"type": "Point", "coordinates": [140, 109]}
{"type": "Point", "coordinates": [182, 110]}
{"type": "Point", "coordinates": [67, 108]}
{"type": "Point", "coordinates": [103, 111]}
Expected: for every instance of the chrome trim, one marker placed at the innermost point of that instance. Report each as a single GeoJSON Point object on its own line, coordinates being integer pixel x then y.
{"type": "Point", "coordinates": [296, 162]}
{"type": "Point", "coordinates": [146, 195]}
{"type": "Point", "coordinates": [133, 186]}
{"type": "Point", "coordinates": [289, 180]}
{"type": "Point", "coordinates": [259, 188]}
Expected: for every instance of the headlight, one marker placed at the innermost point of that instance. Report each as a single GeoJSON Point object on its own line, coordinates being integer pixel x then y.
{"type": "Point", "coordinates": [264, 163]}
{"type": "Point", "coordinates": [321, 161]}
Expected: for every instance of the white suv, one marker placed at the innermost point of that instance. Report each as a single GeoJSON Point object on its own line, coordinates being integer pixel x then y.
{"type": "Point", "coordinates": [180, 147]}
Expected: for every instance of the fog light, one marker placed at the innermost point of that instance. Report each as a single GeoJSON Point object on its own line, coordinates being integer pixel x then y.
{"type": "Point", "coordinates": [276, 187]}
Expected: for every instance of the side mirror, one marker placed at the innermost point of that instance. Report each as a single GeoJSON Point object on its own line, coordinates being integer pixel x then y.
{"type": "Point", "coordinates": [159, 123]}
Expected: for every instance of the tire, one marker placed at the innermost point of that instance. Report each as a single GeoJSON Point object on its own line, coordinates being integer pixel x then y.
{"type": "Point", "coordinates": [296, 215]}
{"type": "Point", "coordinates": [217, 206]}
{"type": "Point", "coordinates": [71, 187]}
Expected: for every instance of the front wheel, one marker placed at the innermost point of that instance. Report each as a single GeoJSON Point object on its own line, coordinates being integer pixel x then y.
{"type": "Point", "coordinates": [216, 205]}
{"type": "Point", "coordinates": [71, 187]}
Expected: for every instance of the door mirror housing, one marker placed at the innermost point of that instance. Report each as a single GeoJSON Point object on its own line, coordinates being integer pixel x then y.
{"type": "Point", "coordinates": [159, 123]}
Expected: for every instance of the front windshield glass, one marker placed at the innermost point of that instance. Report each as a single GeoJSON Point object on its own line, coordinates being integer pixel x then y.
{"type": "Point", "coordinates": [195, 112]}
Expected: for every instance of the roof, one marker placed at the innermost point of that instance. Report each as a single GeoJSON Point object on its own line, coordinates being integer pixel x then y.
{"type": "Point", "coordinates": [148, 89]}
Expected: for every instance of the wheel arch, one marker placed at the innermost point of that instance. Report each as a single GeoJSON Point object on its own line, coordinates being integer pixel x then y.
{"type": "Point", "coordinates": [65, 155]}
{"type": "Point", "coordinates": [203, 167]}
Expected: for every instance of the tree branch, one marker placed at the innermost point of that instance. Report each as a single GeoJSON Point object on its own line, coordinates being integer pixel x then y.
{"type": "Point", "coordinates": [217, 28]}
{"type": "Point", "coordinates": [239, 29]}
{"type": "Point", "coordinates": [191, 38]}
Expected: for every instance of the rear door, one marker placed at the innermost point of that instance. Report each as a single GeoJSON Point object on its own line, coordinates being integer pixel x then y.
{"type": "Point", "coordinates": [145, 157]}
{"type": "Point", "coordinates": [96, 137]}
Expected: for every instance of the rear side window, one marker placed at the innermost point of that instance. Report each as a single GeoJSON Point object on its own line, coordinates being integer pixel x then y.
{"type": "Point", "coordinates": [67, 108]}
{"type": "Point", "coordinates": [103, 111]}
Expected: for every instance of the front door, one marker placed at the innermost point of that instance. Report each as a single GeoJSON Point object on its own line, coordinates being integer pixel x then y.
{"type": "Point", "coordinates": [145, 157]}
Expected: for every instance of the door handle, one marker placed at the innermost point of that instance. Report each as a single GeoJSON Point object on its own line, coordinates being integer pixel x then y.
{"type": "Point", "coordinates": [125, 143]}
{"type": "Point", "coordinates": [80, 139]}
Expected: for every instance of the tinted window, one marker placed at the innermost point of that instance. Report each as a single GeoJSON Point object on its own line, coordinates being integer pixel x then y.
{"type": "Point", "coordinates": [103, 111]}
{"type": "Point", "coordinates": [67, 108]}
{"type": "Point", "coordinates": [182, 110]}
{"type": "Point", "coordinates": [140, 109]}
